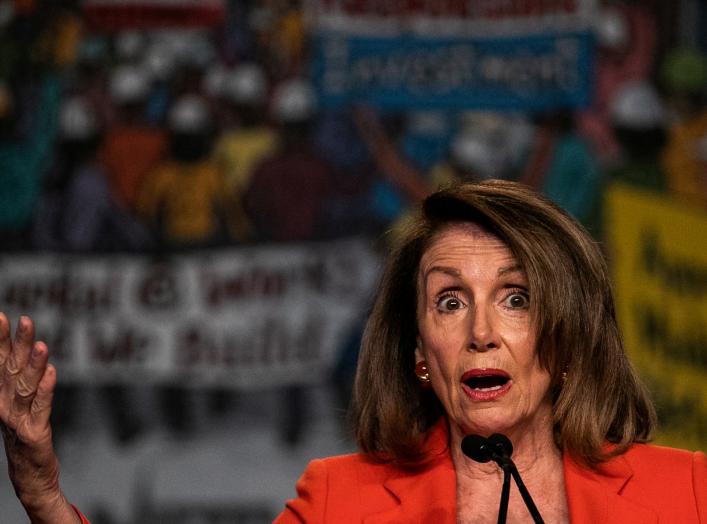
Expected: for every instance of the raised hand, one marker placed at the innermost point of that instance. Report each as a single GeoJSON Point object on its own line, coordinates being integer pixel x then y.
{"type": "Point", "coordinates": [27, 384]}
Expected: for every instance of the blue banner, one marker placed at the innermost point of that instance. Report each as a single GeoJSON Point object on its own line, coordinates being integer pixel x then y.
{"type": "Point", "coordinates": [535, 72]}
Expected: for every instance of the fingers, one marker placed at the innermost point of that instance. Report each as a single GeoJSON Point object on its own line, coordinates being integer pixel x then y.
{"type": "Point", "coordinates": [42, 405]}
{"type": "Point", "coordinates": [26, 380]}
{"type": "Point", "coordinates": [5, 342]}
{"type": "Point", "coordinates": [29, 378]}
{"type": "Point", "coordinates": [21, 347]}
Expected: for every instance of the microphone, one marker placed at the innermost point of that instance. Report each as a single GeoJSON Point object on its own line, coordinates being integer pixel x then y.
{"type": "Point", "coordinates": [501, 444]}
{"type": "Point", "coordinates": [499, 448]}
{"type": "Point", "coordinates": [481, 449]}
{"type": "Point", "coordinates": [477, 448]}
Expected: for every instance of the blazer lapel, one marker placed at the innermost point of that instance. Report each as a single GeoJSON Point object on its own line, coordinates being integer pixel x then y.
{"type": "Point", "coordinates": [595, 496]}
{"type": "Point", "coordinates": [430, 497]}
{"type": "Point", "coordinates": [424, 496]}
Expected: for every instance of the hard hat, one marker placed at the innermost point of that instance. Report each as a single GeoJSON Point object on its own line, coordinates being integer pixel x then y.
{"type": "Point", "coordinates": [471, 151]}
{"type": "Point", "coordinates": [189, 114]}
{"type": "Point", "coordinates": [193, 48]}
{"type": "Point", "coordinates": [129, 45]}
{"type": "Point", "coordinates": [129, 84]}
{"type": "Point", "coordinates": [159, 62]}
{"type": "Point", "coordinates": [611, 29]}
{"type": "Point", "coordinates": [246, 84]}
{"type": "Point", "coordinates": [294, 101]}
{"type": "Point", "coordinates": [636, 105]}
{"type": "Point", "coordinates": [77, 119]}
{"type": "Point", "coordinates": [214, 82]}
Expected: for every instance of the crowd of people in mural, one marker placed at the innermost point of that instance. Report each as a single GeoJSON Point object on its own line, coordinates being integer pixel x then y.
{"type": "Point", "coordinates": [171, 140]}
{"type": "Point", "coordinates": [161, 140]}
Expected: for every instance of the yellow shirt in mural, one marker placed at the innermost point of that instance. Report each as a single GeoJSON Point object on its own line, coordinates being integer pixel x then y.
{"type": "Point", "coordinates": [186, 199]}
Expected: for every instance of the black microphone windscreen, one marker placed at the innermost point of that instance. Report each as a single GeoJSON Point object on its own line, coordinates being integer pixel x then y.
{"type": "Point", "coordinates": [476, 448]}
{"type": "Point", "coordinates": [501, 443]}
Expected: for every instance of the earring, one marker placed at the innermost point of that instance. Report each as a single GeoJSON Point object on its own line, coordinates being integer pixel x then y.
{"type": "Point", "coordinates": [422, 373]}
{"type": "Point", "coordinates": [563, 377]}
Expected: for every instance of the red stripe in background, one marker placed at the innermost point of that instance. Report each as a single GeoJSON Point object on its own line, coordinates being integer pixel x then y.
{"type": "Point", "coordinates": [119, 17]}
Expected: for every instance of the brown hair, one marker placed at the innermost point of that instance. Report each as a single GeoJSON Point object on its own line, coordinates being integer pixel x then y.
{"type": "Point", "coordinates": [602, 398]}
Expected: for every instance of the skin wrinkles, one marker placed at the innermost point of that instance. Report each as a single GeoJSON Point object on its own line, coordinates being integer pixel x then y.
{"type": "Point", "coordinates": [473, 313]}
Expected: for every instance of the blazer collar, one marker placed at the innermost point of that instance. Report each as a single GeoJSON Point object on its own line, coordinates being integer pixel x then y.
{"type": "Point", "coordinates": [425, 495]}
{"type": "Point", "coordinates": [596, 496]}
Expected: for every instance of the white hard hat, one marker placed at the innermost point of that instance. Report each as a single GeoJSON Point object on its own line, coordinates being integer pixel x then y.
{"type": "Point", "coordinates": [129, 45]}
{"type": "Point", "coordinates": [129, 84]}
{"type": "Point", "coordinates": [194, 49]}
{"type": "Point", "coordinates": [77, 120]}
{"type": "Point", "coordinates": [160, 62]}
{"type": "Point", "coordinates": [189, 114]}
{"type": "Point", "coordinates": [214, 81]}
{"type": "Point", "coordinates": [294, 101]}
{"type": "Point", "coordinates": [636, 105]}
{"type": "Point", "coordinates": [474, 152]}
{"type": "Point", "coordinates": [189, 47]}
{"type": "Point", "coordinates": [246, 84]}
{"type": "Point", "coordinates": [612, 29]}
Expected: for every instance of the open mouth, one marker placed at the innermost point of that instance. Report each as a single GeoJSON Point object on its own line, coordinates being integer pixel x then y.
{"type": "Point", "coordinates": [485, 384]}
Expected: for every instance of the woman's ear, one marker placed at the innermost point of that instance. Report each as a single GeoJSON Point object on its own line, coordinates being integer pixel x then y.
{"type": "Point", "coordinates": [419, 355]}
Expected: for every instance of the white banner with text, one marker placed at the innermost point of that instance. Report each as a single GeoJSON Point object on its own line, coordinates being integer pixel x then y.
{"type": "Point", "coordinates": [243, 317]}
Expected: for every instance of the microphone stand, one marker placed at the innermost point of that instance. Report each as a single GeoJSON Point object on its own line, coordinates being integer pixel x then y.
{"type": "Point", "coordinates": [505, 493]}
{"type": "Point", "coordinates": [526, 496]}
{"type": "Point", "coordinates": [499, 449]}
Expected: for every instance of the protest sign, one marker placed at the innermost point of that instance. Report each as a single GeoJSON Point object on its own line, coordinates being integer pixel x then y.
{"type": "Point", "coordinates": [248, 317]}
{"type": "Point", "coordinates": [656, 247]}
{"type": "Point", "coordinates": [460, 55]}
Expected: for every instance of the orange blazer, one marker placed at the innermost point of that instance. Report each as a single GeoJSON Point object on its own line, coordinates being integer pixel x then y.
{"type": "Point", "coordinates": [647, 484]}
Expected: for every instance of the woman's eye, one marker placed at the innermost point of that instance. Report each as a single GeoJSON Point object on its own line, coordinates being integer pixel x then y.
{"type": "Point", "coordinates": [518, 300]}
{"type": "Point", "coordinates": [449, 303]}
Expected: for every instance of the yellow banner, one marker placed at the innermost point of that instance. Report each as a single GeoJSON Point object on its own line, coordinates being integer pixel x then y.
{"type": "Point", "coordinates": [657, 252]}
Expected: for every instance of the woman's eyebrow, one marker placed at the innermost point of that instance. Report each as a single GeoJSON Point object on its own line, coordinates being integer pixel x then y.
{"type": "Point", "coordinates": [515, 268]}
{"type": "Point", "coordinates": [447, 270]}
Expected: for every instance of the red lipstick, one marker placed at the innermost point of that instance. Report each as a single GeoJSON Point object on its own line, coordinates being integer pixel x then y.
{"type": "Point", "coordinates": [486, 384]}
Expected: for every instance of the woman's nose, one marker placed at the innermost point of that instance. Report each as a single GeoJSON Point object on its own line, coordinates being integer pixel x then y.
{"type": "Point", "coordinates": [483, 334]}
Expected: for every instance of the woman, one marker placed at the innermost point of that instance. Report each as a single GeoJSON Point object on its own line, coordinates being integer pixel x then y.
{"type": "Point", "coordinates": [501, 303]}
{"type": "Point", "coordinates": [494, 316]}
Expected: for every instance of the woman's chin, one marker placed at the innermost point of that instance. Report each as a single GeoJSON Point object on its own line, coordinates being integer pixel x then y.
{"type": "Point", "coordinates": [488, 422]}
{"type": "Point", "coordinates": [508, 418]}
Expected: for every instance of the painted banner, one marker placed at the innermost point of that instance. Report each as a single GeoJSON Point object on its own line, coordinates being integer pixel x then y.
{"type": "Point", "coordinates": [116, 15]}
{"type": "Point", "coordinates": [247, 317]}
{"type": "Point", "coordinates": [658, 254]}
{"type": "Point", "coordinates": [464, 56]}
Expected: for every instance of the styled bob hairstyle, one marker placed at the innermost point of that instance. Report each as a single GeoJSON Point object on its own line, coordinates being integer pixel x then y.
{"type": "Point", "coordinates": [601, 399]}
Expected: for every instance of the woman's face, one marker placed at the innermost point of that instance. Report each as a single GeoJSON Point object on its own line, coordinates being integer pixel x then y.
{"type": "Point", "coordinates": [476, 334]}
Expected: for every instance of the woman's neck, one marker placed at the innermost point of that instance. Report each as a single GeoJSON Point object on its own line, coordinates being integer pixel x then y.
{"type": "Point", "coordinates": [539, 462]}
